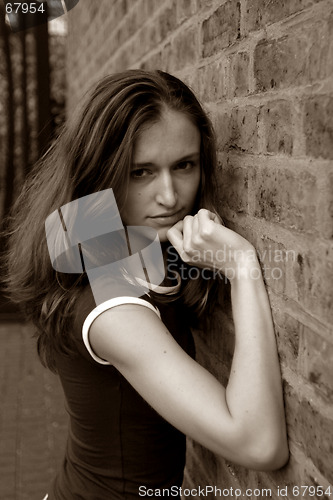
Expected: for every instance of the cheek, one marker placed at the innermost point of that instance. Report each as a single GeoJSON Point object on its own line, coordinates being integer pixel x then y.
{"type": "Point", "coordinates": [134, 200]}
{"type": "Point", "coordinates": [132, 207]}
{"type": "Point", "coordinates": [193, 186]}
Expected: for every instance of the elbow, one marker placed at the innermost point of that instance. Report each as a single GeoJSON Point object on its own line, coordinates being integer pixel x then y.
{"type": "Point", "coordinates": [269, 454]}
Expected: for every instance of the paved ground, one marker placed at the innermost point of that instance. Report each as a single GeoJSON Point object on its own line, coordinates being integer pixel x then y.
{"type": "Point", "coordinates": [33, 422]}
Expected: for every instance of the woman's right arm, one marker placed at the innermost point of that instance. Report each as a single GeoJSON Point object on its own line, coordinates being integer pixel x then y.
{"type": "Point", "coordinates": [229, 422]}
{"type": "Point", "coordinates": [254, 390]}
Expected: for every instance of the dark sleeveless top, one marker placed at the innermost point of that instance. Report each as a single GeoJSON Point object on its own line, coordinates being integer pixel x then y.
{"type": "Point", "coordinates": [117, 443]}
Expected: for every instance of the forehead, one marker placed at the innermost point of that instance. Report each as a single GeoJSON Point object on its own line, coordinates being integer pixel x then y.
{"type": "Point", "coordinates": [173, 136]}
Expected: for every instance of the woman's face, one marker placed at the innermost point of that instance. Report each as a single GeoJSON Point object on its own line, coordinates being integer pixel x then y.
{"type": "Point", "coordinates": [165, 175]}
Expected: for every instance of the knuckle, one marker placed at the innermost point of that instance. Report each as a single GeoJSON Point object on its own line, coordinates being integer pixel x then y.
{"type": "Point", "coordinates": [205, 233]}
{"type": "Point", "coordinates": [197, 240]}
{"type": "Point", "coordinates": [187, 248]}
{"type": "Point", "coordinates": [170, 233]}
{"type": "Point", "coordinates": [185, 257]}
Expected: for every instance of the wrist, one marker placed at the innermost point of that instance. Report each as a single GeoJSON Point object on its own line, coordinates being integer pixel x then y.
{"type": "Point", "coordinates": [247, 272]}
{"type": "Point", "coordinates": [244, 266]}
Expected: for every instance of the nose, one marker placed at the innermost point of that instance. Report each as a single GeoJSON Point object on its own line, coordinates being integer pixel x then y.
{"type": "Point", "coordinates": [166, 193]}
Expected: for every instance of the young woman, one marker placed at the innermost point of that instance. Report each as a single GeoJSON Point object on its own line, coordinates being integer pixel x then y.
{"type": "Point", "coordinates": [132, 386]}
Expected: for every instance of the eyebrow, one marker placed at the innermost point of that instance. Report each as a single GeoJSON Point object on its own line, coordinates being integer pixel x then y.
{"type": "Point", "coordinates": [190, 156]}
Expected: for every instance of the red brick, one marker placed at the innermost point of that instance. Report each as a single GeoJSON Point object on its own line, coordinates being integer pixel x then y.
{"type": "Point", "coordinates": [204, 5]}
{"type": "Point", "coordinates": [280, 63]}
{"type": "Point", "coordinates": [222, 126]}
{"type": "Point", "coordinates": [287, 331]}
{"type": "Point", "coordinates": [311, 430]}
{"type": "Point", "coordinates": [185, 9]}
{"type": "Point", "coordinates": [184, 49]}
{"type": "Point", "coordinates": [119, 11]}
{"type": "Point", "coordinates": [292, 475]}
{"type": "Point", "coordinates": [227, 478]}
{"type": "Point", "coordinates": [273, 257]}
{"type": "Point", "coordinates": [318, 126]}
{"type": "Point", "coordinates": [167, 21]}
{"type": "Point", "coordinates": [152, 62]}
{"type": "Point", "coordinates": [317, 362]}
{"type": "Point", "coordinates": [260, 13]}
{"type": "Point", "coordinates": [244, 129]}
{"type": "Point", "coordinates": [311, 281]}
{"type": "Point", "coordinates": [202, 465]}
{"type": "Point", "coordinates": [320, 63]}
{"type": "Point", "coordinates": [221, 29]}
{"type": "Point", "coordinates": [126, 30]}
{"type": "Point", "coordinates": [212, 81]}
{"type": "Point", "coordinates": [286, 197]}
{"type": "Point", "coordinates": [299, 58]}
{"type": "Point", "coordinates": [277, 120]}
{"type": "Point", "coordinates": [234, 188]}
{"type": "Point", "coordinates": [240, 73]}
{"type": "Point", "coordinates": [328, 200]}
{"type": "Point", "coordinates": [150, 6]}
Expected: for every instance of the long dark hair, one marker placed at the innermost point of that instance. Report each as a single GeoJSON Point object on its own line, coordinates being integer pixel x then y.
{"type": "Point", "coordinates": [94, 152]}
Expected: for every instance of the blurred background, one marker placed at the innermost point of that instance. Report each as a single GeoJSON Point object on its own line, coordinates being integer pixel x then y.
{"type": "Point", "coordinates": [32, 95]}
{"type": "Point", "coordinates": [32, 108]}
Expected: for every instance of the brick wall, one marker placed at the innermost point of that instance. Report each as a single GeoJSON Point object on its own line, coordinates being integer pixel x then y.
{"type": "Point", "coordinates": [264, 71]}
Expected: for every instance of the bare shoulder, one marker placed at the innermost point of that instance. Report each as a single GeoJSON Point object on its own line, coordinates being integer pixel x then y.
{"type": "Point", "coordinates": [125, 333]}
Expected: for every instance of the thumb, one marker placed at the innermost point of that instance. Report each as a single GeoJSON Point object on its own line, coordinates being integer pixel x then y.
{"type": "Point", "coordinates": [175, 235]}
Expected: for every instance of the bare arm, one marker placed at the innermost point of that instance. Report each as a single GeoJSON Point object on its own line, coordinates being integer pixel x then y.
{"type": "Point", "coordinates": [254, 391]}
{"type": "Point", "coordinates": [245, 421]}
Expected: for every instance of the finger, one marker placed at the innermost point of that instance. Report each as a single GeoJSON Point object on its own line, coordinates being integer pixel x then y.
{"type": "Point", "coordinates": [206, 215]}
{"type": "Point", "coordinates": [195, 227]}
{"type": "Point", "coordinates": [206, 224]}
{"type": "Point", "coordinates": [178, 225]}
{"type": "Point", "coordinates": [187, 233]}
{"type": "Point", "coordinates": [218, 219]}
{"type": "Point", "coordinates": [175, 236]}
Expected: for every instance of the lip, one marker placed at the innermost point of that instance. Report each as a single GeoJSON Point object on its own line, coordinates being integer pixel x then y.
{"type": "Point", "coordinates": [166, 214]}
{"type": "Point", "coordinates": [167, 218]}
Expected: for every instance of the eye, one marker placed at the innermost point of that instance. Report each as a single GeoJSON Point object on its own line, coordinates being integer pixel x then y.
{"type": "Point", "coordinates": [139, 173]}
{"type": "Point", "coordinates": [185, 165]}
